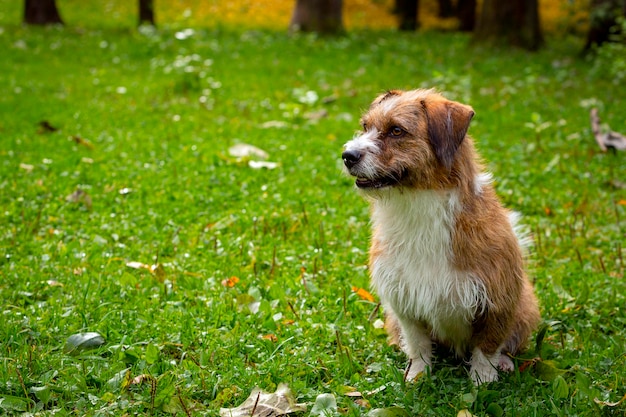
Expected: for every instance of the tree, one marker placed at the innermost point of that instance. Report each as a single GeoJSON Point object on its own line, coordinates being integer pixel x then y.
{"type": "Point", "coordinates": [322, 16]}
{"type": "Point", "coordinates": [510, 22]}
{"type": "Point", "coordinates": [446, 9]}
{"type": "Point", "coordinates": [146, 12]}
{"type": "Point", "coordinates": [41, 12]}
{"type": "Point", "coordinates": [603, 20]}
{"type": "Point", "coordinates": [466, 13]}
{"type": "Point", "coordinates": [408, 14]}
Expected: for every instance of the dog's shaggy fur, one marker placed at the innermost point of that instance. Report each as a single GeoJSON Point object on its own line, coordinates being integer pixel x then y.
{"type": "Point", "coordinates": [446, 258]}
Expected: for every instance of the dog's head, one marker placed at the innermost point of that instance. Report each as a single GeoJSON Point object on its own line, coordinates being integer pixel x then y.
{"type": "Point", "coordinates": [409, 139]}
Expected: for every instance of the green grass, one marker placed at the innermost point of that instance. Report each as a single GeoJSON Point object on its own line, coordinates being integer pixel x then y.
{"type": "Point", "coordinates": [144, 126]}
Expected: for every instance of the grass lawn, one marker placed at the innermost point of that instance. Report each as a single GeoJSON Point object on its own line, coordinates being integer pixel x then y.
{"type": "Point", "coordinates": [202, 275]}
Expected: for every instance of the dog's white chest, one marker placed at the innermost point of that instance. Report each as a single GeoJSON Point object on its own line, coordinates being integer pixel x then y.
{"type": "Point", "coordinates": [412, 264]}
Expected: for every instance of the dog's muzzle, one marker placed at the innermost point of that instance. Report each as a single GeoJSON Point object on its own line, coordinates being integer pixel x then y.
{"type": "Point", "coordinates": [351, 158]}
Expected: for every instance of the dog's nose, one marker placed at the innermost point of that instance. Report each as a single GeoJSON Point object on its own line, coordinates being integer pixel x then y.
{"type": "Point", "coordinates": [351, 158]}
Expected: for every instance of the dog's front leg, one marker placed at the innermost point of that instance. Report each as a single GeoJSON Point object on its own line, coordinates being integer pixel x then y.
{"type": "Point", "coordinates": [417, 344]}
{"type": "Point", "coordinates": [484, 366]}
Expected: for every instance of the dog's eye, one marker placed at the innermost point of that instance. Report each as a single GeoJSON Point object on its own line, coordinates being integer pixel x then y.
{"type": "Point", "coordinates": [364, 125]}
{"type": "Point", "coordinates": [396, 131]}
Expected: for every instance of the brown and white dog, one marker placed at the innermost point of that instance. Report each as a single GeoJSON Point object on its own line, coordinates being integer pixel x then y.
{"type": "Point", "coordinates": [446, 258]}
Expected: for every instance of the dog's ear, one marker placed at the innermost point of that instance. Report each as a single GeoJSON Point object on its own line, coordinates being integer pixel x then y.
{"type": "Point", "coordinates": [448, 122]}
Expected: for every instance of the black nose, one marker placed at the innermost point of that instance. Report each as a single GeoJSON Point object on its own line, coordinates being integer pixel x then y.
{"type": "Point", "coordinates": [351, 158]}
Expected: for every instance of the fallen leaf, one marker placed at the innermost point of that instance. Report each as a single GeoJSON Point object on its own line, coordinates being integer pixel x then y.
{"type": "Point", "coordinates": [274, 124]}
{"type": "Point", "coordinates": [262, 164]}
{"type": "Point", "coordinates": [27, 167]}
{"type": "Point", "coordinates": [230, 282]}
{"type": "Point", "coordinates": [264, 404]}
{"type": "Point", "coordinates": [139, 379]}
{"type": "Point", "coordinates": [82, 141]}
{"type": "Point", "coordinates": [610, 404]}
{"type": "Point", "coordinates": [363, 294]}
{"type": "Point", "coordinates": [137, 265]}
{"type": "Point", "coordinates": [270, 337]}
{"type": "Point", "coordinates": [363, 403]}
{"type": "Point", "coordinates": [244, 150]}
{"type": "Point", "coordinates": [79, 342]}
{"type": "Point", "coordinates": [157, 269]}
{"type": "Point", "coordinates": [46, 127]}
{"type": "Point", "coordinates": [606, 138]}
{"type": "Point", "coordinates": [81, 197]}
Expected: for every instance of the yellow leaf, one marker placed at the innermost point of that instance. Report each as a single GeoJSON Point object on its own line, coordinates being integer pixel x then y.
{"type": "Point", "coordinates": [363, 294]}
{"type": "Point", "coordinates": [230, 282]}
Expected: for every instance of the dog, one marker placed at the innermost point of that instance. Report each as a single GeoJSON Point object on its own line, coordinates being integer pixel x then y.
{"type": "Point", "coordinates": [446, 258]}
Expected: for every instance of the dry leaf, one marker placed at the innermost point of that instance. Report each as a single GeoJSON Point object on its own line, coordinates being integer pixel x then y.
{"type": "Point", "coordinates": [363, 403]}
{"type": "Point", "coordinates": [157, 269]}
{"type": "Point", "coordinates": [610, 404]}
{"type": "Point", "coordinates": [80, 342]}
{"type": "Point", "coordinates": [27, 167]}
{"type": "Point", "coordinates": [263, 404]}
{"type": "Point", "coordinates": [139, 379]}
{"type": "Point", "coordinates": [243, 150]}
{"type": "Point", "coordinates": [80, 196]}
{"type": "Point", "coordinates": [262, 164]}
{"type": "Point", "coordinates": [279, 124]}
{"type": "Point", "coordinates": [82, 141]}
{"type": "Point", "coordinates": [230, 282]}
{"type": "Point", "coordinates": [137, 265]}
{"type": "Point", "coordinates": [606, 138]}
{"type": "Point", "coordinates": [270, 337]}
{"type": "Point", "coordinates": [363, 294]}
{"type": "Point", "coordinates": [46, 127]}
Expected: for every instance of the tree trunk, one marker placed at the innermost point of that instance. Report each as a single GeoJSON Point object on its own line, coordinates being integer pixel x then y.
{"type": "Point", "coordinates": [446, 8]}
{"type": "Point", "coordinates": [511, 22]}
{"type": "Point", "coordinates": [466, 12]}
{"type": "Point", "coordinates": [146, 12]}
{"type": "Point", "coordinates": [41, 12]}
{"type": "Point", "coordinates": [603, 18]}
{"type": "Point", "coordinates": [408, 14]}
{"type": "Point", "coordinates": [322, 16]}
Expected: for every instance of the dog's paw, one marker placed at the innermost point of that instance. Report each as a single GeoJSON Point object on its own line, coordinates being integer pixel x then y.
{"type": "Point", "coordinates": [482, 375]}
{"type": "Point", "coordinates": [484, 369]}
{"type": "Point", "coordinates": [414, 369]}
{"type": "Point", "coordinates": [506, 364]}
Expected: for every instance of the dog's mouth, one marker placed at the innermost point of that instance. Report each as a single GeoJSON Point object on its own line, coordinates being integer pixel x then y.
{"type": "Point", "coordinates": [380, 182]}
